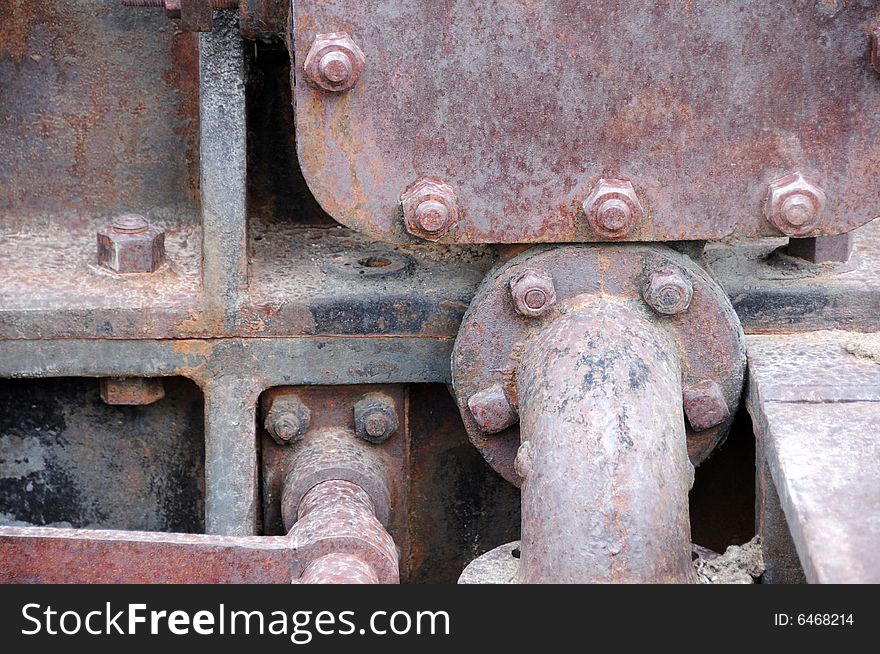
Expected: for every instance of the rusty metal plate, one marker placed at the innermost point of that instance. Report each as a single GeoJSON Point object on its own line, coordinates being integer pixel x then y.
{"type": "Point", "coordinates": [489, 343]}
{"type": "Point", "coordinates": [521, 107]}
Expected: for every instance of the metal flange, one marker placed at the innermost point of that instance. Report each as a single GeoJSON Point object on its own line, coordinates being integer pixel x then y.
{"type": "Point", "coordinates": [655, 282]}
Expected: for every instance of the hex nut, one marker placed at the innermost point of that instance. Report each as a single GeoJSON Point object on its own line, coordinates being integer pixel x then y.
{"type": "Point", "coordinates": [613, 209]}
{"type": "Point", "coordinates": [430, 208]}
{"type": "Point", "coordinates": [668, 292]}
{"type": "Point", "coordinates": [334, 62]}
{"type": "Point", "coordinates": [794, 204]}
{"type": "Point", "coordinates": [375, 418]}
{"type": "Point", "coordinates": [705, 405]}
{"type": "Point", "coordinates": [287, 420]}
{"type": "Point", "coordinates": [131, 245]}
{"type": "Point", "coordinates": [533, 293]}
{"type": "Point", "coordinates": [131, 391]}
{"type": "Point", "coordinates": [492, 410]}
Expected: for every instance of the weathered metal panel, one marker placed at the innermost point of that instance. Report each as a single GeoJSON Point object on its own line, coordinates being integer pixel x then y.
{"type": "Point", "coordinates": [815, 402]}
{"type": "Point", "coordinates": [522, 106]}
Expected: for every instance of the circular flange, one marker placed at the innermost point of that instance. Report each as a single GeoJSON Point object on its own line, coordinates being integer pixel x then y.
{"type": "Point", "coordinates": [486, 353]}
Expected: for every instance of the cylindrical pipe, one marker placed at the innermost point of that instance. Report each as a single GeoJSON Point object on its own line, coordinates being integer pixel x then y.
{"type": "Point", "coordinates": [603, 454]}
{"type": "Point", "coordinates": [338, 533]}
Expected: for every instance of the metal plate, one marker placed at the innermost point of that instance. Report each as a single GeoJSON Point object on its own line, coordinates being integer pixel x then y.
{"type": "Point", "coordinates": [522, 106]}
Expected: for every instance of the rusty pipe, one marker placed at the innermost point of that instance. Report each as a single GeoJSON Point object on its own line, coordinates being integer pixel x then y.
{"type": "Point", "coordinates": [603, 453]}
{"type": "Point", "coordinates": [334, 503]}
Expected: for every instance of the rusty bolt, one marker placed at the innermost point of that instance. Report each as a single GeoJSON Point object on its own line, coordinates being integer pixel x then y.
{"type": "Point", "coordinates": [131, 245]}
{"type": "Point", "coordinates": [668, 292]}
{"type": "Point", "coordinates": [705, 405]}
{"type": "Point", "coordinates": [334, 61]}
{"type": "Point", "coordinates": [492, 410]}
{"type": "Point", "coordinates": [794, 204]}
{"type": "Point", "coordinates": [288, 420]}
{"type": "Point", "coordinates": [430, 208]}
{"type": "Point", "coordinates": [375, 418]}
{"type": "Point", "coordinates": [533, 293]}
{"type": "Point", "coordinates": [613, 209]}
{"type": "Point", "coordinates": [875, 48]}
{"type": "Point", "coordinates": [131, 391]}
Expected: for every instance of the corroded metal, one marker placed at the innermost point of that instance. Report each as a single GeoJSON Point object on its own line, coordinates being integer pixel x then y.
{"type": "Point", "coordinates": [131, 391]}
{"type": "Point", "coordinates": [131, 245]}
{"type": "Point", "coordinates": [489, 346]}
{"type": "Point", "coordinates": [603, 461]}
{"type": "Point", "coordinates": [523, 108]}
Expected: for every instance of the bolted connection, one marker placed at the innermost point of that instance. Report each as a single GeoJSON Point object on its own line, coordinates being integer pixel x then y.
{"type": "Point", "coordinates": [492, 410]}
{"type": "Point", "coordinates": [334, 62]}
{"type": "Point", "coordinates": [430, 208]}
{"type": "Point", "coordinates": [668, 292]}
{"type": "Point", "coordinates": [705, 405]}
{"type": "Point", "coordinates": [375, 418]}
{"type": "Point", "coordinates": [533, 293]}
{"type": "Point", "coordinates": [795, 204]}
{"type": "Point", "coordinates": [613, 209]}
{"type": "Point", "coordinates": [288, 420]}
{"type": "Point", "coordinates": [131, 245]}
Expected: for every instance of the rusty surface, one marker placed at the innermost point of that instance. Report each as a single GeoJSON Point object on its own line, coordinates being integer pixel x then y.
{"type": "Point", "coordinates": [375, 418]}
{"type": "Point", "coordinates": [60, 556]}
{"type": "Point", "coordinates": [705, 405]}
{"type": "Point", "coordinates": [131, 245]}
{"type": "Point", "coordinates": [815, 403]}
{"type": "Point", "coordinates": [338, 517]}
{"type": "Point", "coordinates": [822, 249]}
{"type": "Point", "coordinates": [266, 20]}
{"type": "Point", "coordinates": [86, 126]}
{"type": "Point", "coordinates": [488, 348]}
{"type": "Point", "coordinates": [331, 449]}
{"type": "Point", "coordinates": [523, 107]}
{"type": "Point", "coordinates": [131, 391]}
{"type": "Point", "coordinates": [775, 293]}
{"type": "Point", "coordinates": [288, 420]}
{"type": "Point", "coordinates": [603, 460]}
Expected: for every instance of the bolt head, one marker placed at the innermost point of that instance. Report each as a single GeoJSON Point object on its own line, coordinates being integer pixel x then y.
{"type": "Point", "coordinates": [430, 208]}
{"type": "Point", "coordinates": [795, 204]}
{"type": "Point", "coordinates": [334, 62]}
{"type": "Point", "coordinates": [131, 245]}
{"type": "Point", "coordinates": [492, 410]}
{"type": "Point", "coordinates": [375, 418]}
{"type": "Point", "coordinates": [533, 293]}
{"type": "Point", "coordinates": [705, 405]}
{"type": "Point", "coordinates": [288, 420]}
{"type": "Point", "coordinates": [668, 292]}
{"type": "Point", "coordinates": [613, 209]}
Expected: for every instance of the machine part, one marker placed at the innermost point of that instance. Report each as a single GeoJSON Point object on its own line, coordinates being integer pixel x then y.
{"type": "Point", "coordinates": [533, 293]}
{"type": "Point", "coordinates": [430, 208]}
{"type": "Point", "coordinates": [488, 350]}
{"type": "Point", "coordinates": [795, 204]}
{"type": "Point", "coordinates": [668, 292]}
{"type": "Point", "coordinates": [287, 420]}
{"type": "Point", "coordinates": [822, 249]}
{"type": "Point", "coordinates": [492, 410]}
{"type": "Point", "coordinates": [606, 477]}
{"type": "Point", "coordinates": [334, 62]}
{"type": "Point", "coordinates": [334, 455]}
{"type": "Point", "coordinates": [375, 418]}
{"type": "Point", "coordinates": [705, 405]}
{"type": "Point", "coordinates": [131, 245]}
{"type": "Point", "coordinates": [131, 391]}
{"type": "Point", "coordinates": [525, 134]}
{"type": "Point", "coordinates": [613, 209]}
{"type": "Point", "coordinates": [337, 517]}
